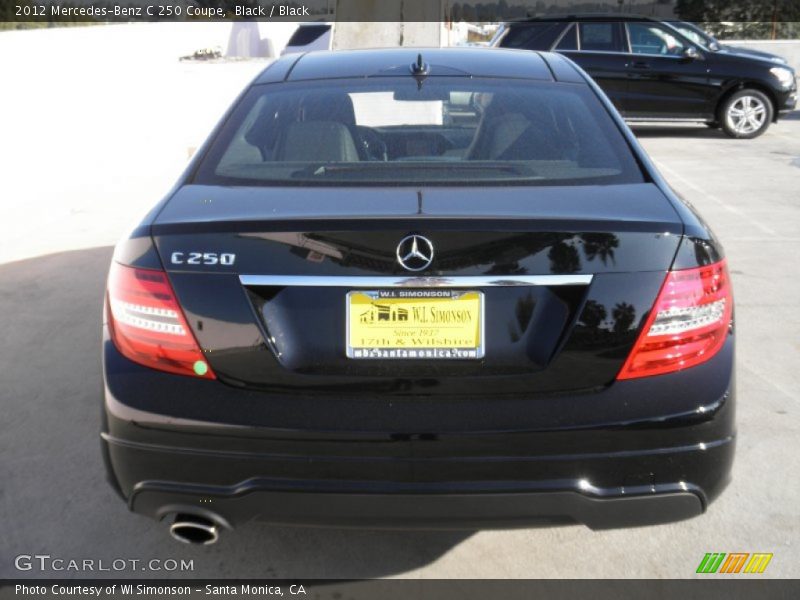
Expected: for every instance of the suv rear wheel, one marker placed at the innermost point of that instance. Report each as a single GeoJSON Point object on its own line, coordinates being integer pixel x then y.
{"type": "Point", "coordinates": [746, 114]}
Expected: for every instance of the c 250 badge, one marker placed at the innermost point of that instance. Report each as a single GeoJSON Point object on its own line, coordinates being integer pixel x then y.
{"type": "Point", "coordinates": [225, 259]}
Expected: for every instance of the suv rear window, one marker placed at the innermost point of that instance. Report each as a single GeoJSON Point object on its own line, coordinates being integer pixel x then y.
{"type": "Point", "coordinates": [569, 41]}
{"type": "Point", "coordinates": [602, 36]}
{"type": "Point", "coordinates": [532, 36]}
{"type": "Point", "coordinates": [451, 130]}
{"type": "Point", "coordinates": [305, 34]}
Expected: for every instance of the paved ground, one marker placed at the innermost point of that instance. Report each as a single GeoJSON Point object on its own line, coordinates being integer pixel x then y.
{"type": "Point", "coordinates": [91, 147]}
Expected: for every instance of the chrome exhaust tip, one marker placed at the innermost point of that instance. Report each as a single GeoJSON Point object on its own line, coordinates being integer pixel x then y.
{"type": "Point", "coordinates": [191, 529]}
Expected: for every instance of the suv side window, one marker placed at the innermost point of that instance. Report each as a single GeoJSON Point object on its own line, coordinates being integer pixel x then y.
{"type": "Point", "coordinates": [649, 38]}
{"type": "Point", "coordinates": [569, 41]}
{"type": "Point", "coordinates": [601, 37]}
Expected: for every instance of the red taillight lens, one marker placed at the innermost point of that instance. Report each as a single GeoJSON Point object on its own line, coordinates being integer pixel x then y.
{"type": "Point", "coordinates": [147, 324]}
{"type": "Point", "coordinates": [688, 324]}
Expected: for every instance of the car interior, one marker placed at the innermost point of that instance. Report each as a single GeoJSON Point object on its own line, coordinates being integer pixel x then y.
{"type": "Point", "coordinates": [295, 133]}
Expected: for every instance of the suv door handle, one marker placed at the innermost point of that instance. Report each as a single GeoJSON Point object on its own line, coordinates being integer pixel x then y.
{"type": "Point", "coordinates": [639, 64]}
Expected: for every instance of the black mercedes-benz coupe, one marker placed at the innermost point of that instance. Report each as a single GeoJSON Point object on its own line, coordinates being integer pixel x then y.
{"type": "Point", "coordinates": [419, 288]}
{"type": "Point", "coordinates": [656, 71]}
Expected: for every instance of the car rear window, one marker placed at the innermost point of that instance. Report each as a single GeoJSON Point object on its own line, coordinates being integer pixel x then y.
{"type": "Point", "coordinates": [447, 130]}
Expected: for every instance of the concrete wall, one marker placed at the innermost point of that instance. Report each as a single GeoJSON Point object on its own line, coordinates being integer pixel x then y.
{"type": "Point", "coordinates": [381, 24]}
{"type": "Point", "coordinates": [258, 39]}
{"type": "Point", "coordinates": [788, 49]}
{"type": "Point", "coordinates": [389, 34]}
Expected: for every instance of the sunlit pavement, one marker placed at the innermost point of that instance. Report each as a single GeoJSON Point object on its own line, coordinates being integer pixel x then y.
{"type": "Point", "coordinates": [98, 124]}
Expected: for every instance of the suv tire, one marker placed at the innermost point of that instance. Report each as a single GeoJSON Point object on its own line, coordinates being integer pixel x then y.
{"type": "Point", "coordinates": [745, 114]}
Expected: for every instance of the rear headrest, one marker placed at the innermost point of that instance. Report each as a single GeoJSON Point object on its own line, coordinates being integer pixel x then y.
{"type": "Point", "coordinates": [324, 141]}
{"type": "Point", "coordinates": [329, 106]}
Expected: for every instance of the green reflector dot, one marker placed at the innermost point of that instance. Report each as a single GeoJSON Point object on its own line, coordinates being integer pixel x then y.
{"type": "Point", "coordinates": [200, 368]}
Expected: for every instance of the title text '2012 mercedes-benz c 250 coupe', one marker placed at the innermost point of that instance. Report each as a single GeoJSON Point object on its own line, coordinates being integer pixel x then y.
{"type": "Point", "coordinates": [419, 288]}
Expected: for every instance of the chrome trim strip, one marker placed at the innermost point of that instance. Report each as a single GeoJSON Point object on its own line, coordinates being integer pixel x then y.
{"type": "Point", "coordinates": [672, 56]}
{"type": "Point", "coordinates": [630, 54]}
{"type": "Point", "coordinates": [667, 119]}
{"type": "Point", "coordinates": [618, 53]}
{"type": "Point", "coordinates": [629, 46]}
{"type": "Point", "coordinates": [378, 282]}
{"type": "Point", "coordinates": [614, 52]}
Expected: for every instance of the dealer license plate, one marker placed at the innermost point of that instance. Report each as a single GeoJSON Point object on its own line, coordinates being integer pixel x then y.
{"type": "Point", "coordinates": [415, 324]}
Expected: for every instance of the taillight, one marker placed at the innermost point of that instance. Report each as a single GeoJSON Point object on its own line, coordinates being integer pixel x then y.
{"type": "Point", "coordinates": [147, 324]}
{"type": "Point", "coordinates": [688, 324]}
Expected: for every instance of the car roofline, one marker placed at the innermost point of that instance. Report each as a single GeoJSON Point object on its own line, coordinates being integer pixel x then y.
{"type": "Point", "coordinates": [519, 64]}
{"type": "Point", "coordinates": [570, 17]}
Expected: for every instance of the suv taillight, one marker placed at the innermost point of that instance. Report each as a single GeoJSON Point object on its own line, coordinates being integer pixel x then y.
{"type": "Point", "coordinates": [148, 326]}
{"type": "Point", "coordinates": [688, 324]}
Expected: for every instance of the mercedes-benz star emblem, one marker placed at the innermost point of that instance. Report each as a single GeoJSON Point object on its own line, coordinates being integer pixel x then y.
{"type": "Point", "coordinates": [415, 252]}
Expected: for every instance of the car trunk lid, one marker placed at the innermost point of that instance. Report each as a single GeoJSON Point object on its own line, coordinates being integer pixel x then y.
{"type": "Point", "coordinates": [566, 276]}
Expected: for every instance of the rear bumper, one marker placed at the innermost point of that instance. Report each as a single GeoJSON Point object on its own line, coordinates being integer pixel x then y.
{"type": "Point", "coordinates": [639, 452]}
{"type": "Point", "coordinates": [256, 500]}
{"type": "Point", "coordinates": [551, 490]}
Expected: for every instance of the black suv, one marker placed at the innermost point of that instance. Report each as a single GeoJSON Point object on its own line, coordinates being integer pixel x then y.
{"type": "Point", "coordinates": [651, 71]}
